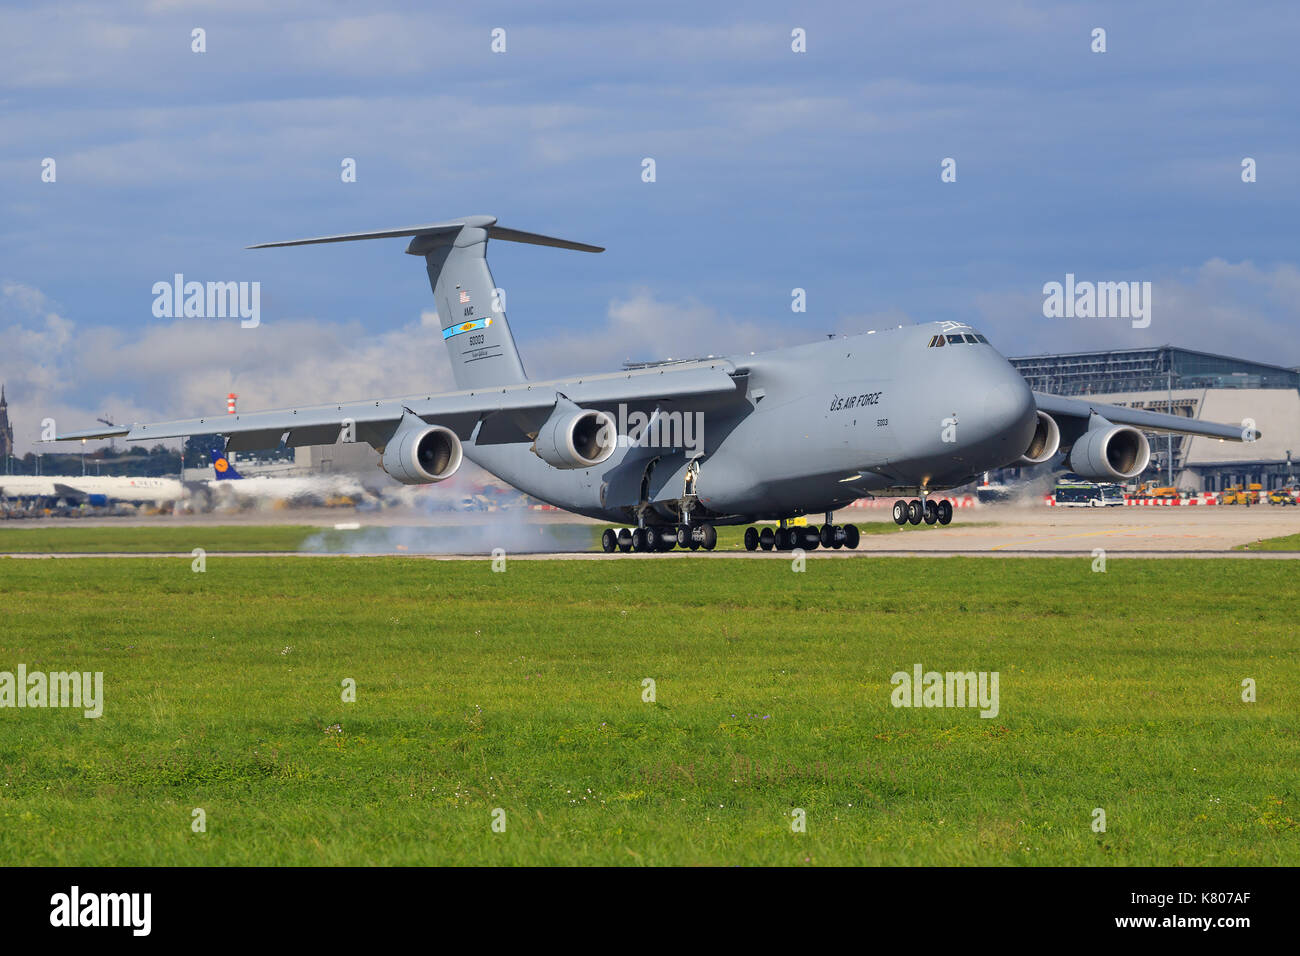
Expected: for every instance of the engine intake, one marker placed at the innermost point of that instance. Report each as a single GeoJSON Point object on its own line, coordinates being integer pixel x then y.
{"type": "Point", "coordinates": [1110, 453]}
{"type": "Point", "coordinates": [574, 437]}
{"type": "Point", "coordinates": [419, 454]}
{"type": "Point", "coordinates": [1045, 443]}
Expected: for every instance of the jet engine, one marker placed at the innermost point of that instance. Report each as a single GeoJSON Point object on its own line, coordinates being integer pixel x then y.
{"type": "Point", "coordinates": [1110, 453]}
{"type": "Point", "coordinates": [1044, 444]}
{"type": "Point", "coordinates": [419, 454]}
{"type": "Point", "coordinates": [575, 437]}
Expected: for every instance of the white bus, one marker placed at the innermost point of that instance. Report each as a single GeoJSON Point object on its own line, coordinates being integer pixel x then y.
{"type": "Point", "coordinates": [1077, 493]}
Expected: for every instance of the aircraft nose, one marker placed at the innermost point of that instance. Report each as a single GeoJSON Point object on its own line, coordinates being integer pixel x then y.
{"type": "Point", "coordinates": [1009, 412]}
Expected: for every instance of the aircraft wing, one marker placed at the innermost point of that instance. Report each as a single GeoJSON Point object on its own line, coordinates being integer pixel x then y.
{"type": "Point", "coordinates": [509, 413]}
{"type": "Point", "coordinates": [1082, 409]}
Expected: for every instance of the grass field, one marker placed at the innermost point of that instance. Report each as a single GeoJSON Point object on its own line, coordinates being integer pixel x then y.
{"type": "Point", "coordinates": [1290, 542]}
{"type": "Point", "coordinates": [135, 539]}
{"type": "Point", "coordinates": [523, 691]}
{"type": "Point", "coordinates": [414, 539]}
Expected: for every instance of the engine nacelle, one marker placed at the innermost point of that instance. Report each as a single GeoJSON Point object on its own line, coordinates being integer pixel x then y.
{"type": "Point", "coordinates": [419, 454]}
{"type": "Point", "coordinates": [575, 437]}
{"type": "Point", "coordinates": [1110, 453]}
{"type": "Point", "coordinates": [1045, 443]}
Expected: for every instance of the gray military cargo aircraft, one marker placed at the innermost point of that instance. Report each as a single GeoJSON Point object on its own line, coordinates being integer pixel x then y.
{"type": "Point", "coordinates": [674, 449]}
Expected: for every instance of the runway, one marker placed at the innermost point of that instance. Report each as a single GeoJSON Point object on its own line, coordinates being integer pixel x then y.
{"type": "Point", "coordinates": [688, 555]}
{"type": "Point", "coordinates": [1007, 531]}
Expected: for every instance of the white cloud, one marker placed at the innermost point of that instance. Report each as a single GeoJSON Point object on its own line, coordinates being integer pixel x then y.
{"type": "Point", "coordinates": [1238, 309]}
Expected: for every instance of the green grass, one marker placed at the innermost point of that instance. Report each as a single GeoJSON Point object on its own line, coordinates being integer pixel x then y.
{"type": "Point", "coordinates": [523, 691]}
{"type": "Point", "coordinates": [179, 538]}
{"type": "Point", "coordinates": [1290, 542]}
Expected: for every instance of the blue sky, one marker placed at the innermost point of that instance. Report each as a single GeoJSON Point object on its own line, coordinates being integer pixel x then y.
{"type": "Point", "coordinates": [775, 170]}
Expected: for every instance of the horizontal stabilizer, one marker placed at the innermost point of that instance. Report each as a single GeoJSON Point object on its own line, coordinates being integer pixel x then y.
{"type": "Point", "coordinates": [451, 227]}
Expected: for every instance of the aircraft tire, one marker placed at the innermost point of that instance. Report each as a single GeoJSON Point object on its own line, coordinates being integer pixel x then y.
{"type": "Point", "coordinates": [683, 536]}
{"type": "Point", "coordinates": [900, 512]}
{"type": "Point", "coordinates": [638, 541]}
{"type": "Point", "coordinates": [851, 536]}
{"type": "Point", "coordinates": [945, 511]}
{"type": "Point", "coordinates": [751, 539]}
{"type": "Point", "coordinates": [609, 541]}
{"type": "Point", "coordinates": [810, 538]}
{"type": "Point", "coordinates": [915, 513]}
{"type": "Point", "coordinates": [828, 536]}
{"type": "Point", "coordinates": [624, 541]}
{"type": "Point", "coordinates": [710, 537]}
{"type": "Point", "coordinates": [766, 539]}
{"type": "Point", "coordinates": [931, 512]}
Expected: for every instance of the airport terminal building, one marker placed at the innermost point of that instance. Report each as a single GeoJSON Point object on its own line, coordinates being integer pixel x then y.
{"type": "Point", "coordinates": [1199, 385]}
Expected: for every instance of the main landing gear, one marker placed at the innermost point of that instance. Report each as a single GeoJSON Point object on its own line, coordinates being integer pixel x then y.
{"type": "Point", "coordinates": [785, 538]}
{"type": "Point", "coordinates": [659, 538]}
{"type": "Point", "coordinates": [916, 511]}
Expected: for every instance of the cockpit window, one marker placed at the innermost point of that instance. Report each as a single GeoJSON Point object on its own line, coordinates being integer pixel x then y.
{"type": "Point", "coordinates": [956, 338]}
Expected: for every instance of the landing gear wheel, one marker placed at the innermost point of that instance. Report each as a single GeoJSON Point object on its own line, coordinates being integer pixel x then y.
{"type": "Point", "coordinates": [683, 536]}
{"type": "Point", "coordinates": [609, 540]}
{"type": "Point", "coordinates": [625, 540]}
{"type": "Point", "coordinates": [766, 539]}
{"type": "Point", "coordinates": [751, 539]}
{"type": "Point", "coordinates": [945, 511]}
{"type": "Point", "coordinates": [915, 513]}
{"type": "Point", "coordinates": [851, 536]}
{"type": "Point", "coordinates": [810, 538]}
{"type": "Point", "coordinates": [931, 512]}
{"type": "Point", "coordinates": [638, 541]}
{"type": "Point", "coordinates": [900, 512]}
{"type": "Point", "coordinates": [827, 536]}
{"type": "Point", "coordinates": [710, 537]}
{"type": "Point", "coordinates": [651, 539]}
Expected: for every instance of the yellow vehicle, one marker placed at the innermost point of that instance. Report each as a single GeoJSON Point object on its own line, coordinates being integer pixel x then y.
{"type": "Point", "coordinates": [1282, 496]}
{"type": "Point", "coordinates": [1236, 495]}
{"type": "Point", "coordinates": [1150, 491]}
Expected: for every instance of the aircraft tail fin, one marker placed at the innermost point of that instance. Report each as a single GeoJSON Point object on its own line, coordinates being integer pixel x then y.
{"type": "Point", "coordinates": [222, 466]}
{"type": "Point", "coordinates": [471, 307]}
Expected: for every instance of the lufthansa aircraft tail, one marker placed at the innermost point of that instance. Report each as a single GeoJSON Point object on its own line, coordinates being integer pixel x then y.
{"type": "Point", "coordinates": [222, 466]}
{"type": "Point", "coordinates": [471, 308]}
